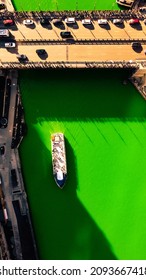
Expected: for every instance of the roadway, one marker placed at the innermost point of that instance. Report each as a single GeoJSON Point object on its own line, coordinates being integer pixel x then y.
{"type": "Point", "coordinates": [80, 53]}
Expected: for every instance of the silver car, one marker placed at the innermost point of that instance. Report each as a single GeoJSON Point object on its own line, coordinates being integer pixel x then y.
{"type": "Point", "coordinates": [102, 21]}
{"type": "Point", "coordinates": [70, 20]}
{"type": "Point", "coordinates": [117, 21]}
{"type": "Point", "coordinates": [86, 21]}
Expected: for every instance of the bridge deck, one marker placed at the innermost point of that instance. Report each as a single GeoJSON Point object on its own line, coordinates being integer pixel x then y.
{"type": "Point", "coordinates": [92, 44]}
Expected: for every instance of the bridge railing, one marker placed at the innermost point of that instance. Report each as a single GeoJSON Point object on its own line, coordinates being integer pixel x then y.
{"type": "Point", "coordinates": [107, 41]}
{"type": "Point", "coordinates": [94, 15]}
{"type": "Point", "coordinates": [70, 64]}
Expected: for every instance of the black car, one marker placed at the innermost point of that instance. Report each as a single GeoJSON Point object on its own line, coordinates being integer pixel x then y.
{"type": "Point", "coordinates": [136, 44]}
{"type": "Point", "coordinates": [42, 53]}
{"type": "Point", "coordinates": [57, 21]}
{"type": "Point", "coordinates": [66, 34]}
{"type": "Point", "coordinates": [22, 57]}
{"type": "Point", "coordinates": [2, 150]}
{"type": "Point", "coordinates": [44, 21]}
{"type": "Point", "coordinates": [2, 6]}
{"type": "Point", "coordinates": [3, 122]}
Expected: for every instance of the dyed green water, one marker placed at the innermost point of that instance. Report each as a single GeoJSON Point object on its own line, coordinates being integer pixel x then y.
{"type": "Point", "coordinates": [65, 5]}
{"type": "Point", "coordinates": [101, 212]}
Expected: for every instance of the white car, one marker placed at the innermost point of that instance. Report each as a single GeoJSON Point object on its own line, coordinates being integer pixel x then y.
{"type": "Point", "coordinates": [10, 45]}
{"type": "Point", "coordinates": [86, 21]}
{"type": "Point", "coordinates": [117, 20]}
{"type": "Point", "coordinates": [102, 21]}
{"type": "Point", "coordinates": [28, 22]}
{"type": "Point", "coordinates": [70, 20]}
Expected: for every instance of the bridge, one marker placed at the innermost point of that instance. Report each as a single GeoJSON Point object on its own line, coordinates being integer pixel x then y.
{"type": "Point", "coordinates": [94, 46]}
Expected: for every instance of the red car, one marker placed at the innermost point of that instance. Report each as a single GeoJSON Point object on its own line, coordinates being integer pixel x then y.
{"type": "Point", "coordinates": [133, 21]}
{"type": "Point", "coordinates": [8, 22]}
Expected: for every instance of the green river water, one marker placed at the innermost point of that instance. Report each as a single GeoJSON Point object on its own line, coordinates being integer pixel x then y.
{"type": "Point", "coordinates": [101, 212]}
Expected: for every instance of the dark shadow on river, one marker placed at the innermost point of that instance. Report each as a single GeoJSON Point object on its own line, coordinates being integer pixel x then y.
{"type": "Point", "coordinates": [69, 94]}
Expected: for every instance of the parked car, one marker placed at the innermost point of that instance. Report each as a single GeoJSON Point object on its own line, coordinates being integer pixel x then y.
{"type": "Point", "coordinates": [10, 45]}
{"type": "Point", "coordinates": [22, 57]}
{"type": "Point", "coordinates": [8, 21]}
{"type": "Point", "coordinates": [117, 21]}
{"type": "Point", "coordinates": [2, 6]}
{"type": "Point", "coordinates": [28, 22]}
{"type": "Point", "coordinates": [142, 9]}
{"type": "Point", "coordinates": [133, 21]}
{"type": "Point", "coordinates": [70, 20]}
{"type": "Point", "coordinates": [136, 44]}
{"type": "Point", "coordinates": [3, 122]}
{"type": "Point", "coordinates": [86, 21]}
{"type": "Point", "coordinates": [102, 21]}
{"type": "Point", "coordinates": [57, 21]}
{"type": "Point", "coordinates": [66, 34]}
{"type": "Point", "coordinates": [41, 52]}
{"type": "Point", "coordinates": [44, 21]}
{"type": "Point", "coordinates": [14, 178]}
{"type": "Point", "coordinates": [2, 150]}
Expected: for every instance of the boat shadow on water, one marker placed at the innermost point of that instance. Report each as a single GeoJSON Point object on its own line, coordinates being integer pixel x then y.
{"type": "Point", "coordinates": [70, 232]}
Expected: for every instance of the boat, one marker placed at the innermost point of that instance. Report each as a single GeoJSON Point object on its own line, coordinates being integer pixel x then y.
{"type": "Point", "coordinates": [59, 159]}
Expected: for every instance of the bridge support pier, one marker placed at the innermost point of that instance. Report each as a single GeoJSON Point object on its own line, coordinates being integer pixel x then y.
{"type": "Point", "coordinates": [138, 79]}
